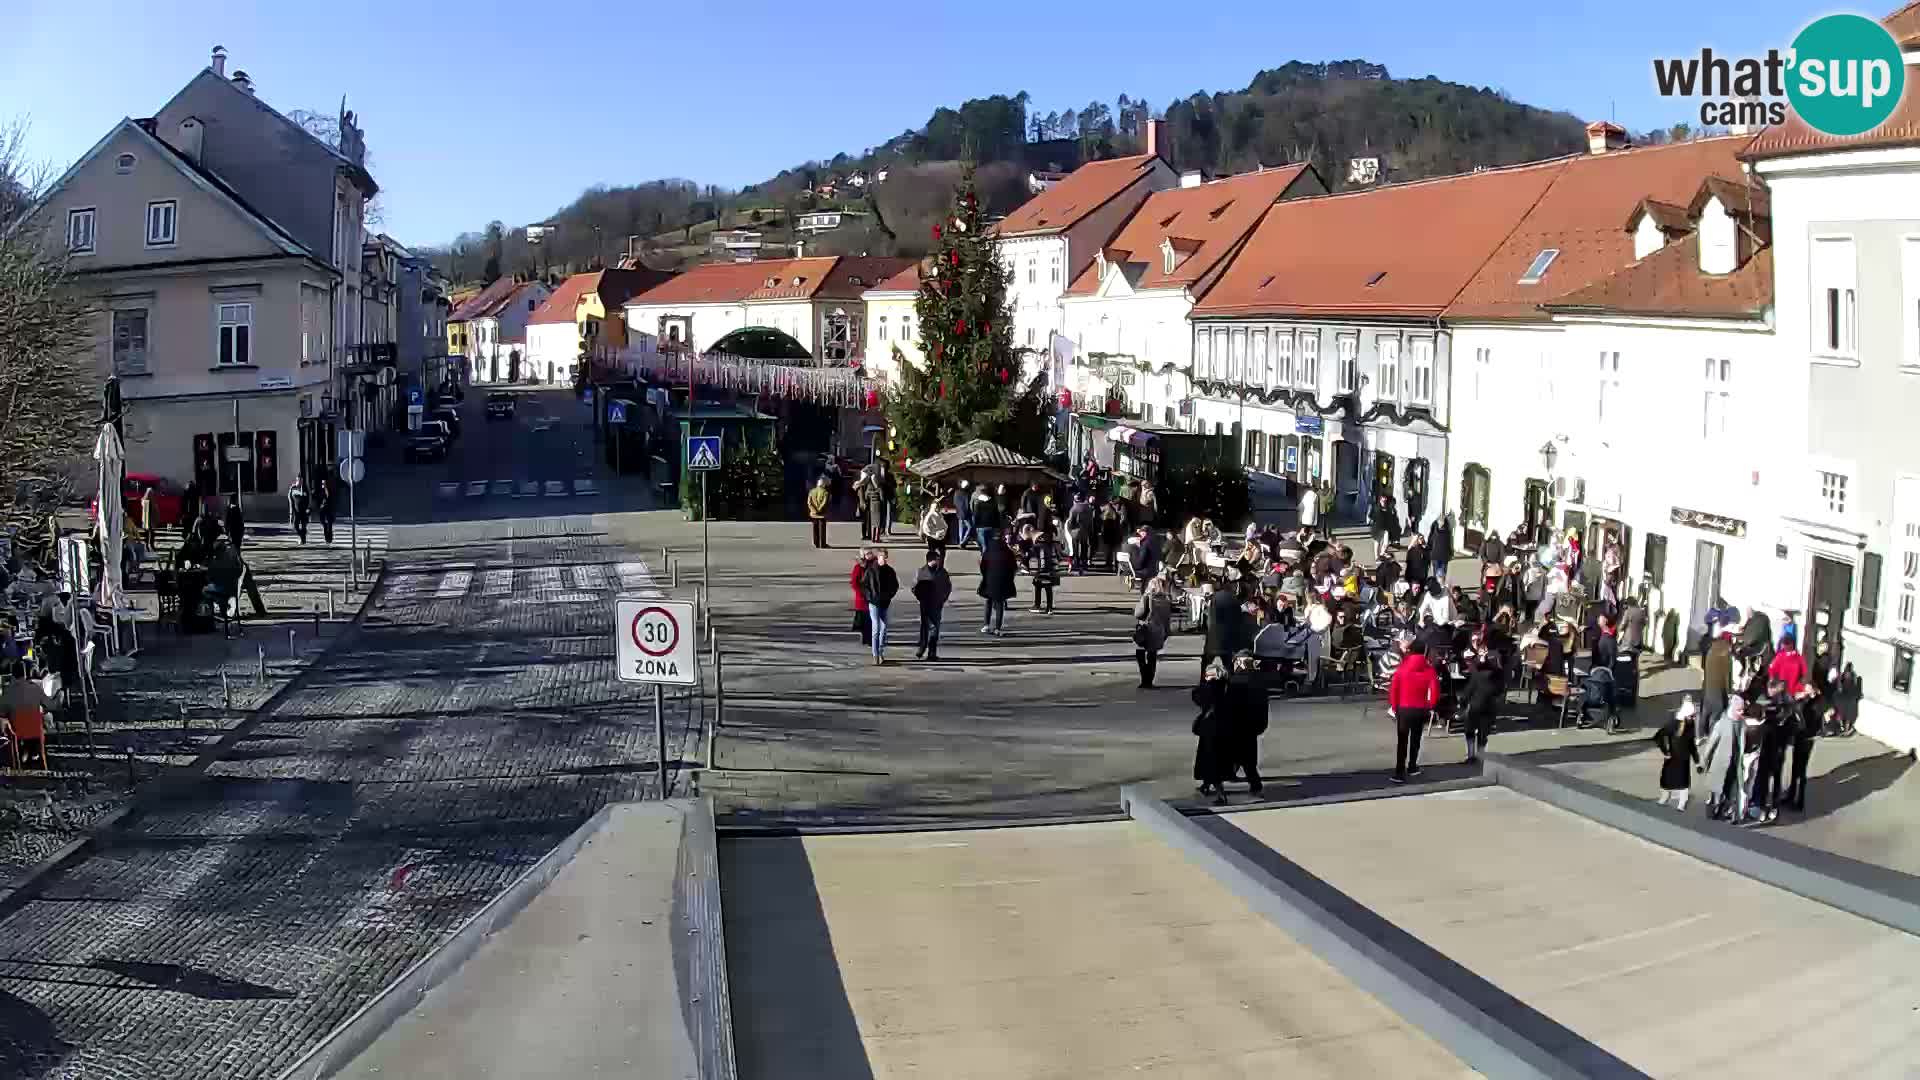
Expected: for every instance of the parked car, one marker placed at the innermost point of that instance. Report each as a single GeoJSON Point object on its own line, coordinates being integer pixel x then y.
{"type": "Point", "coordinates": [168, 499]}
{"type": "Point", "coordinates": [448, 415]}
{"type": "Point", "coordinates": [426, 446]}
{"type": "Point", "coordinates": [500, 406]}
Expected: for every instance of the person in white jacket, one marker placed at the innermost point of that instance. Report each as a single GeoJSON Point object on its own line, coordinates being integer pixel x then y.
{"type": "Point", "coordinates": [1437, 602]}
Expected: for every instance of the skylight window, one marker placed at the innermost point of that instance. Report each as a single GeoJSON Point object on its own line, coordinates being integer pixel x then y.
{"type": "Point", "coordinates": [1376, 279]}
{"type": "Point", "coordinates": [1537, 269]}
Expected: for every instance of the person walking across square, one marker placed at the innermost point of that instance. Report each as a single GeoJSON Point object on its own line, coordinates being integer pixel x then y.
{"type": "Point", "coordinates": [1411, 698]}
{"type": "Point", "coordinates": [931, 588]}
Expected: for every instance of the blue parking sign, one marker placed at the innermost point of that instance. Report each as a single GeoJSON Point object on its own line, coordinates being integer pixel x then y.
{"type": "Point", "coordinates": [703, 452]}
{"type": "Point", "coordinates": [413, 395]}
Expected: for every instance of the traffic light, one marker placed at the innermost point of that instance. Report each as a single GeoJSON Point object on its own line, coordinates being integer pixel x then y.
{"type": "Point", "coordinates": [265, 474]}
{"type": "Point", "coordinates": [206, 471]}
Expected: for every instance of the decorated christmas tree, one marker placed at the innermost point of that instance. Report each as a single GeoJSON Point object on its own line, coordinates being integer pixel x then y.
{"type": "Point", "coordinates": [968, 385]}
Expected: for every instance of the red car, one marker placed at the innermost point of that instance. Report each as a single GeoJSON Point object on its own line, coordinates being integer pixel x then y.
{"type": "Point", "coordinates": [168, 499]}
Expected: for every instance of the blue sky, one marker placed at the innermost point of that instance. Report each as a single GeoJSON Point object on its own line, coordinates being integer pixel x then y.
{"type": "Point", "coordinates": [480, 110]}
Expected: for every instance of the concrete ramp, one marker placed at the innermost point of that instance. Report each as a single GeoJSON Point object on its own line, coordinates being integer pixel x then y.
{"type": "Point", "coordinates": [1060, 951]}
{"type": "Point", "coordinates": [1673, 965]}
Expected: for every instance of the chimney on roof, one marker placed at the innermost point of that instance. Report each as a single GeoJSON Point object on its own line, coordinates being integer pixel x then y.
{"type": "Point", "coordinates": [242, 80]}
{"type": "Point", "coordinates": [220, 60]}
{"type": "Point", "coordinates": [1157, 139]}
{"type": "Point", "coordinates": [1192, 178]}
{"type": "Point", "coordinates": [1604, 136]}
{"type": "Point", "coordinates": [190, 138]}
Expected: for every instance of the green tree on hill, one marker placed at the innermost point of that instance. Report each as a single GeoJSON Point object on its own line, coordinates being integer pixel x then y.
{"type": "Point", "coordinates": [968, 385]}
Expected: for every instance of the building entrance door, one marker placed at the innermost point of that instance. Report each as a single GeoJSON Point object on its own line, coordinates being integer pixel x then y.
{"type": "Point", "coordinates": [1827, 598]}
{"type": "Point", "coordinates": [1707, 557]}
{"type": "Point", "coordinates": [1346, 471]}
{"type": "Point", "coordinates": [1540, 510]}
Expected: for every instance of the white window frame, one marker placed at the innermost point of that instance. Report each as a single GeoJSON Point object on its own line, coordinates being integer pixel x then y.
{"type": "Point", "coordinates": [1906, 558]}
{"type": "Point", "coordinates": [163, 212]}
{"type": "Point", "coordinates": [1033, 272]}
{"type": "Point", "coordinates": [1239, 370]}
{"type": "Point", "coordinates": [128, 365]}
{"type": "Point", "coordinates": [1054, 269]}
{"type": "Point", "coordinates": [1482, 363]}
{"type": "Point", "coordinates": [1834, 271]}
{"type": "Point", "coordinates": [1203, 353]}
{"type": "Point", "coordinates": [82, 220]}
{"type": "Point", "coordinates": [1386, 367]}
{"type": "Point", "coordinates": [1222, 356]}
{"type": "Point", "coordinates": [1282, 358]}
{"type": "Point", "coordinates": [1609, 384]}
{"type": "Point", "coordinates": [1834, 483]}
{"type": "Point", "coordinates": [1308, 365]}
{"type": "Point", "coordinates": [1910, 301]}
{"type": "Point", "coordinates": [1716, 405]}
{"type": "Point", "coordinates": [231, 348]}
{"type": "Point", "coordinates": [1420, 376]}
{"type": "Point", "coordinates": [1260, 358]}
{"type": "Point", "coordinates": [1346, 350]}
{"type": "Point", "coordinates": [880, 328]}
{"type": "Point", "coordinates": [906, 328]}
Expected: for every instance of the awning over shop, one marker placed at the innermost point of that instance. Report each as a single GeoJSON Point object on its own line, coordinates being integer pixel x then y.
{"type": "Point", "coordinates": [1131, 436]}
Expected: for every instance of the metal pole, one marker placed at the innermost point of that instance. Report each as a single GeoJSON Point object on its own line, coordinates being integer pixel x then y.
{"type": "Point", "coordinates": [660, 733]}
{"type": "Point", "coordinates": [353, 521]}
{"type": "Point", "coordinates": [674, 567]}
{"type": "Point", "coordinates": [236, 447]}
{"type": "Point", "coordinates": [705, 516]}
{"type": "Point", "coordinates": [719, 705]}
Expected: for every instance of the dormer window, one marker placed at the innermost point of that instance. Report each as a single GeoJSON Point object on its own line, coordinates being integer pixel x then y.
{"type": "Point", "coordinates": [123, 163]}
{"type": "Point", "coordinates": [857, 280]}
{"type": "Point", "coordinates": [797, 281]}
{"type": "Point", "coordinates": [1537, 269]}
{"type": "Point", "coordinates": [773, 282]}
{"type": "Point", "coordinates": [1168, 258]}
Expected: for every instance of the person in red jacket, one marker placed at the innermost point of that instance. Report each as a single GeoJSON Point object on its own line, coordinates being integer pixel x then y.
{"type": "Point", "coordinates": [1789, 667]}
{"type": "Point", "coordinates": [862, 621]}
{"type": "Point", "coordinates": [1411, 698]}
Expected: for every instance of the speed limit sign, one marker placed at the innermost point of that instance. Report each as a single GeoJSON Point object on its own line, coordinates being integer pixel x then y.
{"type": "Point", "coordinates": [653, 641]}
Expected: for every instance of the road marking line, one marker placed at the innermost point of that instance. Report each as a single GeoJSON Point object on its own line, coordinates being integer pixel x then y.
{"type": "Point", "coordinates": [476, 487]}
{"type": "Point", "coordinates": [497, 583]}
{"type": "Point", "coordinates": [454, 585]}
{"type": "Point", "coordinates": [503, 487]}
{"type": "Point", "coordinates": [447, 489]}
{"type": "Point", "coordinates": [583, 487]}
{"type": "Point", "coordinates": [550, 588]}
{"type": "Point", "coordinates": [636, 578]}
{"type": "Point", "coordinates": [556, 488]}
{"type": "Point", "coordinates": [531, 487]}
{"type": "Point", "coordinates": [590, 577]}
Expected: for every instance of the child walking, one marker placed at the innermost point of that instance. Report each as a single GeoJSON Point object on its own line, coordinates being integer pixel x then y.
{"type": "Point", "coordinates": [1680, 754]}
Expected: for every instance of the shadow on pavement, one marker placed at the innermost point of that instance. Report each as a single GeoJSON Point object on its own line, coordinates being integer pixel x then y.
{"type": "Point", "coordinates": [1841, 787]}
{"type": "Point", "coordinates": [791, 1016]}
{"type": "Point", "coordinates": [29, 1047]}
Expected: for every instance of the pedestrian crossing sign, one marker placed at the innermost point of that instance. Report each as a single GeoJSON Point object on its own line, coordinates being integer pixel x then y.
{"type": "Point", "coordinates": [703, 452]}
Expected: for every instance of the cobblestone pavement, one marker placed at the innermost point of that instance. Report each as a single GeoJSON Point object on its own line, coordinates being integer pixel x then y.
{"type": "Point", "coordinates": [452, 739]}
{"type": "Point", "coordinates": [139, 728]}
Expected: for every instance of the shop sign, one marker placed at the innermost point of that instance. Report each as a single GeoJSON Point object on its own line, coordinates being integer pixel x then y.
{"type": "Point", "coordinates": [1309, 425]}
{"type": "Point", "coordinates": [1700, 519]}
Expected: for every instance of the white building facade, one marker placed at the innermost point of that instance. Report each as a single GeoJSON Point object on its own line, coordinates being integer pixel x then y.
{"type": "Point", "coordinates": [1847, 250]}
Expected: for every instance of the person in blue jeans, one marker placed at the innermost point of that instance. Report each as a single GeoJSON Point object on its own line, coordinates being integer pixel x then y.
{"type": "Point", "coordinates": [878, 583]}
{"type": "Point", "coordinates": [988, 519]}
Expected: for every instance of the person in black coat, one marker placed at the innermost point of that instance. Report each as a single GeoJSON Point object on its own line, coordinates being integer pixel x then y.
{"type": "Point", "coordinates": [236, 523]}
{"type": "Point", "coordinates": [1246, 699]}
{"type": "Point", "coordinates": [996, 581]}
{"type": "Point", "coordinates": [1227, 629]}
{"type": "Point", "coordinates": [931, 587]}
{"type": "Point", "coordinates": [1480, 701]}
{"type": "Point", "coordinates": [1680, 755]}
{"type": "Point", "coordinates": [1419, 560]}
{"type": "Point", "coordinates": [324, 508]}
{"type": "Point", "coordinates": [1211, 759]}
{"type": "Point", "coordinates": [879, 584]}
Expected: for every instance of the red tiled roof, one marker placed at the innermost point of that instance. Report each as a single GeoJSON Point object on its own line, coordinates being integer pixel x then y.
{"type": "Point", "coordinates": [1204, 223]}
{"type": "Point", "coordinates": [1579, 216]}
{"type": "Point", "coordinates": [489, 297]}
{"type": "Point", "coordinates": [1904, 25]}
{"type": "Point", "coordinates": [1667, 217]}
{"type": "Point", "coordinates": [1669, 282]}
{"type": "Point", "coordinates": [1083, 191]}
{"type": "Point", "coordinates": [792, 279]}
{"type": "Point", "coordinates": [853, 275]}
{"type": "Point", "coordinates": [490, 310]}
{"type": "Point", "coordinates": [1902, 128]}
{"type": "Point", "coordinates": [907, 280]}
{"type": "Point", "coordinates": [738, 282]}
{"type": "Point", "coordinates": [1401, 250]}
{"type": "Point", "coordinates": [560, 306]}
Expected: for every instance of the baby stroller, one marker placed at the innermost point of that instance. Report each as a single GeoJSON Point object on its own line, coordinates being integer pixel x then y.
{"type": "Point", "coordinates": [1598, 693]}
{"type": "Point", "coordinates": [1283, 651]}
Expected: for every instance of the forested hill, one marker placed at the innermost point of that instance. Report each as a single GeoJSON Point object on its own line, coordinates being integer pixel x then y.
{"type": "Point", "coordinates": [1325, 113]}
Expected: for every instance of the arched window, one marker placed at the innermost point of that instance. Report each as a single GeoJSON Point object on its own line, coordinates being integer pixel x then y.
{"type": "Point", "coordinates": [1476, 498]}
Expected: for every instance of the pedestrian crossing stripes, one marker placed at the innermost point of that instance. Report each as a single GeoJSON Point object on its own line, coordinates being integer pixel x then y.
{"type": "Point", "coordinates": [585, 584]}
{"type": "Point", "coordinates": [262, 536]}
{"type": "Point", "coordinates": [515, 489]}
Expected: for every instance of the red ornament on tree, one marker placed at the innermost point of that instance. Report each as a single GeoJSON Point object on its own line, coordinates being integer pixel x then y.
{"type": "Point", "coordinates": [955, 256]}
{"type": "Point", "coordinates": [1003, 374]}
{"type": "Point", "coordinates": [937, 350]}
{"type": "Point", "coordinates": [943, 388]}
{"type": "Point", "coordinates": [960, 328]}
{"type": "Point", "coordinates": [936, 232]}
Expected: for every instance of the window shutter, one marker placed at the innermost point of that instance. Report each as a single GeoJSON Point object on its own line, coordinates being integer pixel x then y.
{"type": "Point", "coordinates": [1868, 614]}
